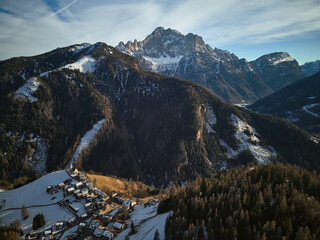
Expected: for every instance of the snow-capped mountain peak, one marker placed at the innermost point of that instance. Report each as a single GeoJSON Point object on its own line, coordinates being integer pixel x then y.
{"type": "Point", "coordinates": [171, 53]}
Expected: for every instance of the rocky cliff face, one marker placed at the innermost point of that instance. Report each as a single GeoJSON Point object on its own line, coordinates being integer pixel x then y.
{"type": "Point", "coordinates": [171, 53]}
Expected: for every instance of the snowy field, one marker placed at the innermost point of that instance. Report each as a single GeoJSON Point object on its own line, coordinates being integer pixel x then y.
{"type": "Point", "coordinates": [52, 214]}
{"type": "Point", "coordinates": [34, 194]}
{"type": "Point", "coordinates": [147, 222]}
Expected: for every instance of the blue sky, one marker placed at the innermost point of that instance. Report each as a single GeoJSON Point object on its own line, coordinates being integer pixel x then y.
{"type": "Point", "coordinates": [248, 28]}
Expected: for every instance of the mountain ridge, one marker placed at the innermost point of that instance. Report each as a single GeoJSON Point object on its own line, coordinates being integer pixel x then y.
{"type": "Point", "coordinates": [297, 103]}
{"type": "Point", "coordinates": [188, 57]}
{"type": "Point", "coordinates": [158, 129]}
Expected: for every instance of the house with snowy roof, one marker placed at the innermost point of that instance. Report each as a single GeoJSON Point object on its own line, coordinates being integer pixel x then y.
{"type": "Point", "coordinates": [98, 232]}
{"type": "Point", "coordinates": [118, 226]}
{"type": "Point", "coordinates": [108, 235]}
{"type": "Point", "coordinates": [129, 204]}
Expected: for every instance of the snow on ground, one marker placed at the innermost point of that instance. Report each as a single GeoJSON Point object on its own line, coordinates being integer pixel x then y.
{"type": "Point", "coordinates": [251, 143]}
{"type": "Point", "coordinates": [284, 59]}
{"type": "Point", "coordinates": [79, 48]}
{"type": "Point", "coordinates": [308, 107]}
{"type": "Point", "coordinates": [310, 98]}
{"type": "Point", "coordinates": [79, 205]}
{"type": "Point", "coordinates": [146, 221]}
{"type": "Point", "coordinates": [25, 92]}
{"type": "Point", "coordinates": [209, 119]}
{"type": "Point", "coordinates": [34, 193]}
{"type": "Point", "coordinates": [52, 214]}
{"type": "Point", "coordinates": [147, 229]}
{"type": "Point", "coordinates": [164, 63]}
{"type": "Point", "coordinates": [39, 162]}
{"type": "Point", "coordinates": [84, 64]}
{"type": "Point", "coordinates": [69, 231]}
{"type": "Point", "coordinates": [85, 141]}
{"type": "Point", "coordinates": [140, 213]}
{"type": "Point", "coordinates": [45, 74]}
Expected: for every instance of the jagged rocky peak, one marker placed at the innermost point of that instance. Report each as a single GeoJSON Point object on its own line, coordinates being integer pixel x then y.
{"type": "Point", "coordinates": [165, 43]}
{"type": "Point", "coordinates": [171, 53]}
{"type": "Point", "coordinates": [275, 58]}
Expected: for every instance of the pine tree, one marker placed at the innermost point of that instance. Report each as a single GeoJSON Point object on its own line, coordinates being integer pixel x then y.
{"type": "Point", "coordinates": [24, 212]}
{"type": "Point", "coordinates": [133, 229]}
{"type": "Point", "coordinates": [38, 221]}
{"type": "Point", "coordinates": [156, 235]}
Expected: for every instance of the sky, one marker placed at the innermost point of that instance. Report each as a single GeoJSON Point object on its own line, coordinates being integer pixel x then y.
{"type": "Point", "coordinates": [247, 28]}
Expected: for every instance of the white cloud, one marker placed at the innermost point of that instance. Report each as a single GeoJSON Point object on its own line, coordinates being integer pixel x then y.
{"type": "Point", "coordinates": [32, 27]}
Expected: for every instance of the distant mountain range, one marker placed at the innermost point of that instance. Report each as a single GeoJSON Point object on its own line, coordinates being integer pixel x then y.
{"type": "Point", "coordinates": [96, 108]}
{"type": "Point", "coordinates": [298, 103]}
{"type": "Point", "coordinates": [171, 53]}
{"type": "Point", "coordinates": [311, 68]}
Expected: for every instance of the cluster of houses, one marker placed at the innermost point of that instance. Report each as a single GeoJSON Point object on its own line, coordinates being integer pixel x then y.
{"type": "Point", "coordinates": [86, 203]}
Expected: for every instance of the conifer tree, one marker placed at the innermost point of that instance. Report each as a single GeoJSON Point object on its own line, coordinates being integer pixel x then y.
{"type": "Point", "coordinates": [24, 212]}
{"type": "Point", "coordinates": [156, 235]}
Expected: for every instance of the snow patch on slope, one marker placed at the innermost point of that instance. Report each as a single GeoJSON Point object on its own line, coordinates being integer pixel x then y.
{"type": "Point", "coordinates": [85, 141]}
{"type": "Point", "coordinates": [164, 63]}
{"type": "Point", "coordinates": [25, 92]}
{"type": "Point", "coordinates": [209, 119]}
{"type": "Point", "coordinates": [284, 59]}
{"type": "Point", "coordinates": [79, 48]}
{"type": "Point", "coordinates": [248, 142]}
{"type": "Point", "coordinates": [39, 162]}
{"type": "Point", "coordinates": [84, 64]}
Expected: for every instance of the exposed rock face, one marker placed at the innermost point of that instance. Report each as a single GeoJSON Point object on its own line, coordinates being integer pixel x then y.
{"type": "Point", "coordinates": [188, 57]}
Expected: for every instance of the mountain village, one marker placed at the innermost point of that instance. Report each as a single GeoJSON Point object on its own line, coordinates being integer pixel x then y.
{"type": "Point", "coordinates": [93, 214]}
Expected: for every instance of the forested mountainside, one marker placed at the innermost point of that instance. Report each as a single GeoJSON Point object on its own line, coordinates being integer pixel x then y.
{"type": "Point", "coordinates": [253, 202]}
{"type": "Point", "coordinates": [171, 53]}
{"type": "Point", "coordinates": [298, 103]}
{"type": "Point", "coordinates": [96, 108]}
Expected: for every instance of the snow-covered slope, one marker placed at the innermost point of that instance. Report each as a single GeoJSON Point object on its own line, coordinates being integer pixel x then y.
{"type": "Point", "coordinates": [34, 194]}
{"type": "Point", "coordinates": [85, 141]}
{"type": "Point", "coordinates": [248, 140]}
{"type": "Point", "coordinates": [147, 222]}
{"type": "Point", "coordinates": [171, 53]}
{"type": "Point", "coordinates": [26, 91]}
{"type": "Point", "coordinates": [84, 64]}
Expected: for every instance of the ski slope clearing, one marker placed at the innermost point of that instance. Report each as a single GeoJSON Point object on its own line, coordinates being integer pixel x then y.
{"type": "Point", "coordinates": [85, 141]}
